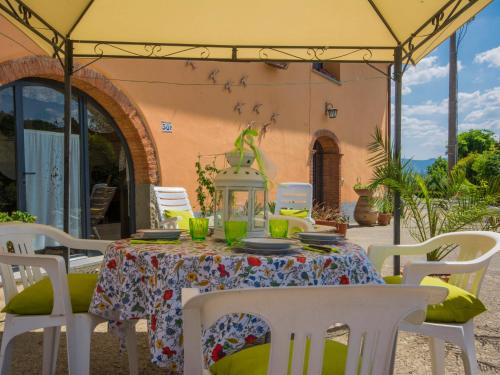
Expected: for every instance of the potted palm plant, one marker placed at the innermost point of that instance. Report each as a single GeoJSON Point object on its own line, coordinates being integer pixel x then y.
{"type": "Point", "coordinates": [342, 224]}
{"type": "Point", "coordinates": [456, 206]}
{"type": "Point", "coordinates": [384, 205]}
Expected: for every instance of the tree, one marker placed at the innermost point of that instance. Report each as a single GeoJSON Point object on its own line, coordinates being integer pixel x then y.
{"type": "Point", "coordinates": [487, 166]}
{"type": "Point", "coordinates": [437, 174]}
{"type": "Point", "coordinates": [474, 140]}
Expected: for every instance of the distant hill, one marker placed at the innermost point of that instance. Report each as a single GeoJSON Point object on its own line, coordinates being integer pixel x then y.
{"type": "Point", "coordinates": [420, 166]}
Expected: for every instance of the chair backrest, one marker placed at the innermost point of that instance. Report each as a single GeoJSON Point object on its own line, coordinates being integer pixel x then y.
{"type": "Point", "coordinates": [172, 199]}
{"type": "Point", "coordinates": [471, 245]}
{"type": "Point", "coordinates": [294, 195]}
{"type": "Point", "coordinates": [294, 222]}
{"type": "Point", "coordinates": [18, 238]}
{"type": "Point", "coordinates": [17, 242]}
{"type": "Point", "coordinates": [372, 313]}
{"type": "Point", "coordinates": [100, 199]}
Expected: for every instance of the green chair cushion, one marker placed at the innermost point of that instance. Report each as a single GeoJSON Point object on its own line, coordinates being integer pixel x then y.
{"type": "Point", "coordinates": [38, 299]}
{"type": "Point", "coordinates": [255, 360]}
{"type": "Point", "coordinates": [295, 213]}
{"type": "Point", "coordinates": [459, 307]}
{"type": "Point", "coordinates": [183, 223]}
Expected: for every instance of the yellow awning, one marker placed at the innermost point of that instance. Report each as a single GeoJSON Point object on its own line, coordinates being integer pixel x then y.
{"type": "Point", "coordinates": [284, 30]}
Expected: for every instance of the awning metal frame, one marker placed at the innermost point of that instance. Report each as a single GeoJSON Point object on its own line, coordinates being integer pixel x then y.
{"type": "Point", "coordinates": [64, 44]}
{"type": "Point", "coordinates": [103, 48]}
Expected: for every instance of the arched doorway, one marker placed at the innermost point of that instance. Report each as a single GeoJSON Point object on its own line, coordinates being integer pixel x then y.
{"type": "Point", "coordinates": [326, 171]}
{"type": "Point", "coordinates": [31, 169]}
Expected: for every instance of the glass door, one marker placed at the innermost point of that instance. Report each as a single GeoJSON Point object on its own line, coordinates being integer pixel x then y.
{"type": "Point", "coordinates": [32, 161]}
{"type": "Point", "coordinates": [8, 174]}
{"type": "Point", "coordinates": [43, 121]}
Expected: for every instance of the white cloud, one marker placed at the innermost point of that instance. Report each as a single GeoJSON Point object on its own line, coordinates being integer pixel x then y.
{"type": "Point", "coordinates": [425, 125]}
{"type": "Point", "coordinates": [423, 138]}
{"type": "Point", "coordinates": [427, 70]}
{"type": "Point", "coordinates": [428, 108]}
{"type": "Point", "coordinates": [492, 57]}
{"type": "Point", "coordinates": [480, 110]}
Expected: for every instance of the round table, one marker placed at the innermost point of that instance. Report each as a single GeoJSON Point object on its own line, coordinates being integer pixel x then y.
{"type": "Point", "coordinates": [145, 281]}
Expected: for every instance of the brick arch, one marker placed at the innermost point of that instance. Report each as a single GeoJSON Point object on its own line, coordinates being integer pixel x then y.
{"type": "Point", "coordinates": [125, 114]}
{"type": "Point", "coordinates": [325, 166]}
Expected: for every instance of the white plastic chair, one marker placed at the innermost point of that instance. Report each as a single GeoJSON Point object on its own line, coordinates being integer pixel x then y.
{"type": "Point", "coordinates": [296, 196]}
{"type": "Point", "coordinates": [294, 222]}
{"type": "Point", "coordinates": [173, 199]}
{"type": "Point", "coordinates": [79, 327]}
{"type": "Point", "coordinates": [475, 252]}
{"type": "Point", "coordinates": [372, 313]}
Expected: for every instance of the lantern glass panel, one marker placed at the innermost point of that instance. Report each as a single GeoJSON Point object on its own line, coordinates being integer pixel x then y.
{"type": "Point", "coordinates": [219, 209]}
{"type": "Point", "coordinates": [238, 205]}
{"type": "Point", "coordinates": [259, 216]}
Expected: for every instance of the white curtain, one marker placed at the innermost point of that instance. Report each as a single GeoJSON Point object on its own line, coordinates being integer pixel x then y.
{"type": "Point", "coordinates": [44, 155]}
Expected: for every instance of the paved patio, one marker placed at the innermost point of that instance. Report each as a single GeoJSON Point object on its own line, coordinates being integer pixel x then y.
{"type": "Point", "coordinates": [412, 356]}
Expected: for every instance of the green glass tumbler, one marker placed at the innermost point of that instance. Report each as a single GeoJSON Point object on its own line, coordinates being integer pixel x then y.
{"type": "Point", "coordinates": [278, 228]}
{"type": "Point", "coordinates": [235, 231]}
{"type": "Point", "coordinates": [198, 228]}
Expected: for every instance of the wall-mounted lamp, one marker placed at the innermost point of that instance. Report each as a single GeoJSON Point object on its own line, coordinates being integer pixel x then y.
{"type": "Point", "coordinates": [330, 111]}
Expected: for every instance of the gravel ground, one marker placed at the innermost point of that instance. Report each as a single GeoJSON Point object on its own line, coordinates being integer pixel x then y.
{"type": "Point", "coordinates": [412, 354]}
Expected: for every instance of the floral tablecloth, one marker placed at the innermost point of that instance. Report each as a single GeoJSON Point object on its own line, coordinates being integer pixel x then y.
{"type": "Point", "coordinates": [145, 281]}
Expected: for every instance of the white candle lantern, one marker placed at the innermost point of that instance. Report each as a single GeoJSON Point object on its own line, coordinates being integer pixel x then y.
{"type": "Point", "coordinates": [241, 195]}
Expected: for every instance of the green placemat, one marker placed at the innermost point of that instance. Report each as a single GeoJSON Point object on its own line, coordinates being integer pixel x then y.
{"type": "Point", "coordinates": [321, 249]}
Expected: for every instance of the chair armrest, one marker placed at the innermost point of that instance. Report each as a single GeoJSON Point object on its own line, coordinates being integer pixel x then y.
{"type": "Point", "coordinates": [80, 244]}
{"type": "Point", "coordinates": [56, 270]}
{"type": "Point", "coordinates": [379, 253]}
{"type": "Point", "coordinates": [416, 271]}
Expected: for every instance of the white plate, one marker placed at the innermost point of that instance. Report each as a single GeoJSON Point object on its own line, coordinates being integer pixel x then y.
{"type": "Point", "coordinates": [321, 242]}
{"type": "Point", "coordinates": [318, 236]}
{"type": "Point", "coordinates": [291, 249]}
{"type": "Point", "coordinates": [159, 230]}
{"type": "Point", "coordinates": [167, 234]}
{"type": "Point", "coordinates": [267, 243]}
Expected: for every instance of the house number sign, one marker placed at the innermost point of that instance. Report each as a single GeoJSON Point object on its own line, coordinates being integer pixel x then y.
{"type": "Point", "coordinates": [167, 127]}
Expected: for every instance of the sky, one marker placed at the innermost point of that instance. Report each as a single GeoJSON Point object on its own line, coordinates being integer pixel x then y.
{"type": "Point", "coordinates": [425, 89]}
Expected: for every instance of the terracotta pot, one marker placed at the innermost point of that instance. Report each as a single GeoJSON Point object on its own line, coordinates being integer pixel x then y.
{"type": "Point", "coordinates": [326, 222]}
{"type": "Point", "coordinates": [384, 218]}
{"type": "Point", "coordinates": [364, 192]}
{"type": "Point", "coordinates": [342, 228]}
{"type": "Point", "coordinates": [364, 213]}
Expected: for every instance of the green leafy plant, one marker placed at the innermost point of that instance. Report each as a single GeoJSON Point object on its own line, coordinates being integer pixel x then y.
{"type": "Point", "coordinates": [384, 203]}
{"type": "Point", "coordinates": [475, 140]}
{"type": "Point", "coordinates": [5, 217]}
{"type": "Point", "coordinates": [457, 206]}
{"type": "Point", "coordinates": [205, 192]}
{"type": "Point", "coordinates": [359, 186]}
{"type": "Point", "coordinates": [342, 218]}
{"type": "Point", "coordinates": [247, 140]}
{"type": "Point", "coordinates": [272, 207]}
{"type": "Point", "coordinates": [321, 211]}
{"type": "Point", "coordinates": [21, 216]}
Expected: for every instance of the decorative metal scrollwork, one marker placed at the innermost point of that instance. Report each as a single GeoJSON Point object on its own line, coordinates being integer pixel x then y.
{"type": "Point", "coordinates": [149, 50]}
{"type": "Point", "coordinates": [436, 24]}
{"type": "Point", "coordinates": [316, 52]}
{"type": "Point", "coordinates": [436, 21]}
{"type": "Point", "coordinates": [25, 14]}
{"type": "Point", "coordinates": [312, 54]}
{"type": "Point", "coordinates": [33, 22]}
